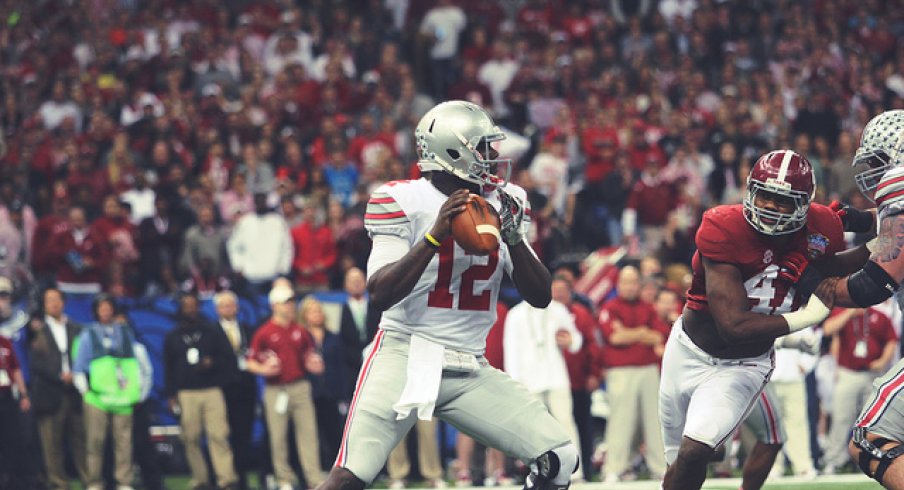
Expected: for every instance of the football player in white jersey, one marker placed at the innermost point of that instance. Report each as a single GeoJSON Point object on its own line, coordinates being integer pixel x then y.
{"type": "Point", "coordinates": [438, 305]}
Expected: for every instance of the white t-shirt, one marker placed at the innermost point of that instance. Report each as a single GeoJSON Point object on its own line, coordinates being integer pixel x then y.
{"type": "Point", "coordinates": [498, 75]}
{"type": "Point", "coordinates": [532, 356]}
{"type": "Point", "coordinates": [454, 301]}
{"type": "Point", "coordinates": [445, 24]}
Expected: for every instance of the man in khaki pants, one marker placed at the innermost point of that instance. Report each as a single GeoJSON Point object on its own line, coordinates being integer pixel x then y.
{"type": "Point", "coordinates": [283, 352]}
{"type": "Point", "coordinates": [399, 466]}
{"type": "Point", "coordinates": [634, 337]}
{"type": "Point", "coordinates": [197, 360]}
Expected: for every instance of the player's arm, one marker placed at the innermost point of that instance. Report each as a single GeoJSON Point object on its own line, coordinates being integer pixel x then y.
{"type": "Point", "coordinates": [531, 278]}
{"type": "Point", "coordinates": [881, 277]}
{"type": "Point", "coordinates": [393, 281]}
{"type": "Point", "coordinates": [731, 311]}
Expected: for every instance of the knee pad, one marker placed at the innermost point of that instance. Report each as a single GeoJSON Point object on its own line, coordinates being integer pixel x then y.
{"type": "Point", "coordinates": [553, 469]}
{"type": "Point", "coordinates": [870, 450]}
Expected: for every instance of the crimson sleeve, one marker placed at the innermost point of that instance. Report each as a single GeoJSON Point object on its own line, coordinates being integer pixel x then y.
{"type": "Point", "coordinates": [607, 315]}
{"type": "Point", "coordinates": [713, 240]}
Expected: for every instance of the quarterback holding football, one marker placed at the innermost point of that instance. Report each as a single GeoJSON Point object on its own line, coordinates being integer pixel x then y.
{"type": "Point", "coordinates": [439, 302]}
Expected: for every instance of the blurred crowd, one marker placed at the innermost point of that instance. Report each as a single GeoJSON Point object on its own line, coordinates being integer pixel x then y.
{"type": "Point", "coordinates": [145, 142]}
{"type": "Point", "coordinates": [154, 147]}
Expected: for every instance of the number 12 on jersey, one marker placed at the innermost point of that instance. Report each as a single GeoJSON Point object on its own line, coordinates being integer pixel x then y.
{"type": "Point", "coordinates": [442, 297]}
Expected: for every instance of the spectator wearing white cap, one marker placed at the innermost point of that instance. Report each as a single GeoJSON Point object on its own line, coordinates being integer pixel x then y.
{"type": "Point", "coordinates": [283, 353]}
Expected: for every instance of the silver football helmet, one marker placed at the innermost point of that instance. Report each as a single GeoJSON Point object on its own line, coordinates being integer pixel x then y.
{"type": "Point", "coordinates": [881, 148]}
{"type": "Point", "coordinates": [456, 137]}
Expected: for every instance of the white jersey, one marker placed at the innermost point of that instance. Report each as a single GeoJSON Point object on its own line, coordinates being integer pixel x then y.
{"type": "Point", "coordinates": [454, 301]}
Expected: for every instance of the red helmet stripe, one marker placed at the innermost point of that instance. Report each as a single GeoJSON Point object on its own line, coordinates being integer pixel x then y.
{"type": "Point", "coordinates": [889, 196]}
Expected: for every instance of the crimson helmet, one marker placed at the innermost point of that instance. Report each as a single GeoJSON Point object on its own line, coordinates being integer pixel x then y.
{"type": "Point", "coordinates": [787, 176]}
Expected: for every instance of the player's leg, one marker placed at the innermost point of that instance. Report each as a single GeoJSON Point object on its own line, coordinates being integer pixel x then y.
{"type": "Point", "coordinates": [879, 458]}
{"type": "Point", "coordinates": [758, 464]}
{"type": "Point", "coordinates": [717, 408]}
{"type": "Point", "coordinates": [675, 388]}
{"type": "Point", "coordinates": [371, 429]}
{"type": "Point", "coordinates": [765, 423]}
{"type": "Point", "coordinates": [499, 412]}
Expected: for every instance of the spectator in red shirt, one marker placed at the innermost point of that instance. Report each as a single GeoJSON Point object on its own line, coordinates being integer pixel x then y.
{"type": "Point", "coordinates": [651, 201]}
{"type": "Point", "coordinates": [48, 226]}
{"type": "Point", "coordinates": [118, 234]}
{"type": "Point", "coordinates": [863, 344]}
{"type": "Point", "coordinates": [78, 254]}
{"type": "Point", "coordinates": [283, 353]}
{"type": "Point", "coordinates": [369, 141]}
{"type": "Point", "coordinates": [632, 334]}
{"type": "Point", "coordinates": [583, 368]}
{"type": "Point", "coordinates": [470, 88]}
{"type": "Point", "coordinates": [87, 176]}
{"type": "Point", "coordinates": [315, 251]}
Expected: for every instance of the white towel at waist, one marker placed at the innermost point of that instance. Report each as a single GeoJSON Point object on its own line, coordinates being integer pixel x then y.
{"type": "Point", "coordinates": [425, 371]}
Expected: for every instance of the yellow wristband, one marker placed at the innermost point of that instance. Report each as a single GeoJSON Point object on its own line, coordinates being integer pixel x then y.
{"type": "Point", "coordinates": [431, 240]}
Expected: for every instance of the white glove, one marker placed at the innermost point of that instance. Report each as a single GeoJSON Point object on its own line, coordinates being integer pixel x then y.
{"type": "Point", "coordinates": [812, 314]}
{"type": "Point", "coordinates": [510, 216]}
{"type": "Point", "coordinates": [807, 340]}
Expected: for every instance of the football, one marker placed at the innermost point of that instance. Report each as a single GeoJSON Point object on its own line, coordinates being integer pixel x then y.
{"type": "Point", "coordinates": [476, 229]}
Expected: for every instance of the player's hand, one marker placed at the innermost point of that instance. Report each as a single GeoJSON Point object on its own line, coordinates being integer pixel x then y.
{"type": "Point", "coordinates": [826, 292]}
{"type": "Point", "coordinates": [878, 365]}
{"type": "Point", "coordinates": [25, 404]}
{"type": "Point", "coordinates": [314, 363]}
{"type": "Point", "coordinates": [455, 204]}
{"type": "Point", "coordinates": [792, 266]}
{"type": "Point", "coordinates": [853, 219]}
{"type": "Point", "coordinates": [510, 216]}
{"type": "Point", "coordinates": [563, 339]}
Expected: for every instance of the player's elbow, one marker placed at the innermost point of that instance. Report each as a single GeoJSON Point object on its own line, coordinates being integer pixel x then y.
{"type": "Point", "coordinates": [732, 332]}
{"type": "Point", "coordinates": [539, 299]}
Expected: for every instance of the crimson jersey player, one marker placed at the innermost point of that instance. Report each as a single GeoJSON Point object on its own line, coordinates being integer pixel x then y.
{"type": "Point", "coordinates": [747, 272]}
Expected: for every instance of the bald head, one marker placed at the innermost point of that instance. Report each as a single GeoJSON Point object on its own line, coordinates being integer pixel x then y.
{"type": "Point", "coordinates": [355, 282]}
{"type": "Point", "coordinates": [628, 284]}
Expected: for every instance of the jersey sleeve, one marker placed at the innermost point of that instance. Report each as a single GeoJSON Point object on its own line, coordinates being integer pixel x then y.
{"type": "Point", "coordinates": [385, 216]}
{"type": "Point", "coordinates": [713, 240]}
{"type": "Point", "coordinates": [829, 226]}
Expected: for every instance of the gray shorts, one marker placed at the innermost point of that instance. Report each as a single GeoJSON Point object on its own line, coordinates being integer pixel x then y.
{"type": "Point", "coordinates": [884, 411]}
{"type": "Point", "coordinates": [486, 404]}
{"type": "Point", "coordinates": [765, 419]}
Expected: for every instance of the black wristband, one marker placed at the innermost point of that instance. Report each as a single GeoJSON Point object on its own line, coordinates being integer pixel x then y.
{"type": "Point", "coordinates": [859, 221]}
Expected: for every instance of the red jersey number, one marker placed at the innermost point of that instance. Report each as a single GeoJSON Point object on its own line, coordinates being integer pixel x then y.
{"type": "Point", "coordinates": [442, 297]}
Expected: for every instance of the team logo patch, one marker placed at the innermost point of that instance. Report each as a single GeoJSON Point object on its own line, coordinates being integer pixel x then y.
{"type": "Point", "coordinates": [816, 245]}
{"type": "Point", "coordinates": [767, 257]}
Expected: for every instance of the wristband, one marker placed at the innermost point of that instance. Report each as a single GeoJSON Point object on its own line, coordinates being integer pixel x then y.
{"type": "Point", "coordinates": [432, 242]}
{"type": "Point", "coordinates": [812, 314]}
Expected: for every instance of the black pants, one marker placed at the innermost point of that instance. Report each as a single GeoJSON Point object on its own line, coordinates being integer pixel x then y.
{"type": "Point", "coordinates": [11, 434]}
{"type": "Point", "coordinates": [581, 411]}
{"type": "Point", "coordinates": [329, 429]}
{"type": "Point", "coordinates": [241, 399]}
